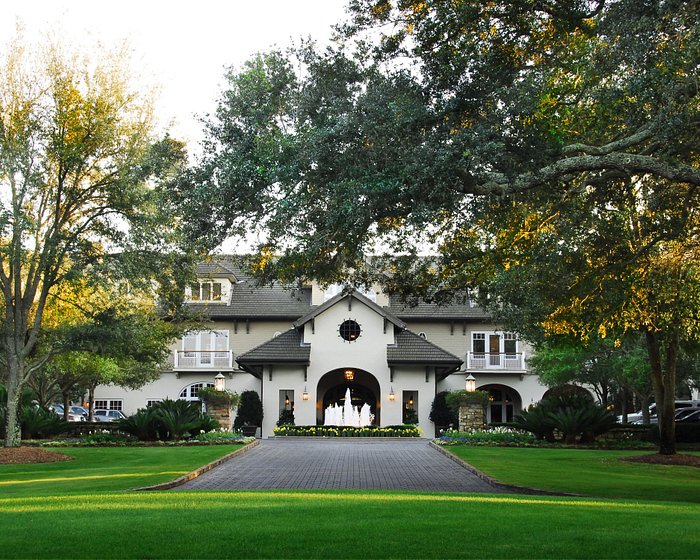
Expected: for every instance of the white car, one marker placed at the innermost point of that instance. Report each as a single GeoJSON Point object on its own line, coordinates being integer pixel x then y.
{"type": "Point", "coordinates": [637, 417]}
{"type": "Point", "coordinates": [75, 413]}
{"type": "Point", "coordinates": [102, 415]}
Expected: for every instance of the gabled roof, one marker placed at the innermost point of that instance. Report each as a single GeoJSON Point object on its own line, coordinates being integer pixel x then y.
{"type": "Point", "coordinates": [287, 348]}
{"type": "Point", "coordinates": [382, 311]}
{"type": "Point", "coordinates": [222, 266]}
{"type": "Point", "coordinates": [411, 348]}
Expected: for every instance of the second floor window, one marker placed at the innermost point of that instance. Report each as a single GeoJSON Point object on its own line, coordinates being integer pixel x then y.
{"type": "Point", "coordinates": [205, 291]}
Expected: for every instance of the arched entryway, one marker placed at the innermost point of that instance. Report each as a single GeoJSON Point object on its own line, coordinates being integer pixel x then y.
{"type": "Point", "coordinates": [364, 388]}
{"type": "Point", "coordinates": [504, 403]}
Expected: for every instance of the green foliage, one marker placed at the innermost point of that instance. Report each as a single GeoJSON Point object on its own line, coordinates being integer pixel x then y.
{"type": "Point", "coordinates": [169, 420]}
{"type": "Point", "coordinates": [500, 435]}
{"type": "Point", "coordinates": [286, 418]}
{"type": "Point", "coordinates": [455, 399]}
{"type": "Point", "coordinates": [574, 417]}
{"type": "Point", "coordinates": [440, 413]}
{"type": "Point", "coordinates": [40, 422]}
{"type": "Point", "coordinates": [210, 396]}
{"type": "Point", "coordinates": [143, 424]}
{"type": "Point", "coordinates": [250, 410]}
{"type": "Point", "coordinates": [400, 430]}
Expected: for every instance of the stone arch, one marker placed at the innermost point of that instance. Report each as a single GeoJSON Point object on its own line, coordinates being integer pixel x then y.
{"type": "Point", "coordinates": [364, 388]}
{"type": "Point", "coordinates": [504, 403]}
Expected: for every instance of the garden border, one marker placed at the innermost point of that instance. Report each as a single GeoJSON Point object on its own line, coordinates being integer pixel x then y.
{"type": "Point", "coordinates": [496, 483]}
{"type": "Point", "coordinates": [197, 472]}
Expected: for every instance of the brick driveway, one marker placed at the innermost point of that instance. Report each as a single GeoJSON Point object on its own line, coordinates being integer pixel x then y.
{"type": "Point", "coordinates": [408, 464]}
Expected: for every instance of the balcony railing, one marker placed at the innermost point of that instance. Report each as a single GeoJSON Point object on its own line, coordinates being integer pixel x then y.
{"type": "Point", "coordinates": [203, 359]}
{"type": "Point", "coordinates": [486, 360]}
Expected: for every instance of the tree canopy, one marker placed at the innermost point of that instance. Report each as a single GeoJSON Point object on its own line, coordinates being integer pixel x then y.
{"type": "Point", "coordinates": [545, 150]}
{"type": "Point", "coordinates": [81, 173]}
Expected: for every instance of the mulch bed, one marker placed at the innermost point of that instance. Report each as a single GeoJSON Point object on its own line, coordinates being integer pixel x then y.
{"type": "Point", "coordinates": [679, 459]}
{"type": "Point", "coordinates": [22, 455]}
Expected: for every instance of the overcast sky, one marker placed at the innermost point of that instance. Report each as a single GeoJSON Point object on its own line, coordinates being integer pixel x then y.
{"type": "Point", "coordinates": [181, 46]}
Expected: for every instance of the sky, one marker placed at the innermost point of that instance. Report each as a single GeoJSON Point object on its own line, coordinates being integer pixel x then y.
{"type": "Point", "coordinates": [181, 47]}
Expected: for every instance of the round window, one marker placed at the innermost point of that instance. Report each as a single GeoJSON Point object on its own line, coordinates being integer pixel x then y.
{"type": "Point", "coordinates": [349, 330]}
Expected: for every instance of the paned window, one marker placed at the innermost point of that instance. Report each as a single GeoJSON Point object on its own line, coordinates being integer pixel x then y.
{"type": "Point", "coordinates": [205, 291]}
{"type": "Point", "coordinates": [479, 343]}
{"type": "Point", "coordinates": [349, 330]}
{"type": "Point", "coordinates": [109, 404]}
{"type": "Point", "coordinates": [191, 392]}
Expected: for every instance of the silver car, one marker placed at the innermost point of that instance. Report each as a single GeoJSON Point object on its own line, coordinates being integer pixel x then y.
{"type": "Point", "coordinates": [102, 415]}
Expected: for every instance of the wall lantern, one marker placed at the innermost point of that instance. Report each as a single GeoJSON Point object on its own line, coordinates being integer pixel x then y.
{"type": "Point", "coordinates": [410, 401]}
{"type": "Point", "coordinates": [286, 399]}
{"type": "Point", "coordinates": [349, 374]}
{"type": "Point", "coordinates": [392, 396]}
{"type": "Point", "coordinates": [305, 394]}
{"type": "Point", "coordinates": [220, 382]}
{"type": "Point", "coordinates": [471, 383]}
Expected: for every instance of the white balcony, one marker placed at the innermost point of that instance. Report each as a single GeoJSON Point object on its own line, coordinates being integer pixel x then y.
{"type": "Point", "coordinates": [502, 361]}
{"type": "Point", "coordinates": [203, 359]}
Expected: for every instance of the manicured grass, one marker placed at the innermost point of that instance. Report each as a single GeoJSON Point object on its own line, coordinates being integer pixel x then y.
{"type": "Point", "coordinates": [106, 469]}
{"type": "Point", "coordinates": [584, 471]}
{"type": "Point", "coordinates": [79, 509]}
{"type": "Point", "coordinates": [264, 524]}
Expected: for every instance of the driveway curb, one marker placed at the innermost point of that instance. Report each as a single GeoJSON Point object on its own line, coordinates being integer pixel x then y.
{"type": "Point", "coordinates": [197, 472]}
{"type": "Point", "coordinates": [495, 483]}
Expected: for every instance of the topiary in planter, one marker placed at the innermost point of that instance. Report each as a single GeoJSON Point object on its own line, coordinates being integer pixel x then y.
{"type": "Point", "coordinates": [250, 410]}
{"type": "Point", "coordinates": [212, 397]}
{"type": "Point", "coordinates": [440, 413]}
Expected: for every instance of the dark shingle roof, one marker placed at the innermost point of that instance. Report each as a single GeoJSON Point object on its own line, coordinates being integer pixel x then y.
{"type": "Point", "coordinates": [221, 266]}
{"type": "Point", "coordinates": [435, 312]}
{"type": "Point", "coordinates": [414, 349]}
{"type": "Point", "coordinates": [285, 348]}
{"type": "Point", "coordinates": [261, 302]}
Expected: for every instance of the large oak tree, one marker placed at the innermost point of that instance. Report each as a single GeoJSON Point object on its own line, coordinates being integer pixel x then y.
{"type": "Point", "coordinates": [80, 172]}
{"type": "Point", "coordinates": [523, 141]}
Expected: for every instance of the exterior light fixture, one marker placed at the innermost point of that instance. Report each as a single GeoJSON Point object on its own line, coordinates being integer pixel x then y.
{"type": "Point", "coordinates": [471, 383]}
{"type": "Point", "coordinates": [410, 401]}
{"type": "Point", "coordinates": [305, 394]}
{"type": "Point", "coordinates": [286, 399]}
{"type": "Point", "coordinates": [349, 375]}
{"type": "Point", "coordinates": [392, 396]}
{"type": "Point", "coordinates": [220, 382]}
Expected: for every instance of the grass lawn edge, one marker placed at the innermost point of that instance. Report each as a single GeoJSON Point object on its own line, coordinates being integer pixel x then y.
{"type": "Point", "coordinates": [197, 472]}
{"type": "Point", "coordinates": [501, 485]}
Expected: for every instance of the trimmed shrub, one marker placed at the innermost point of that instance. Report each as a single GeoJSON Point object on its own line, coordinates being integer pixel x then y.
{"type": "Point", "coordinates": [286, 418]}
{"type": "Point", "coordinates": [441, 414]}
{"type": "Point", "coordinates": [250, 410]}
{"type": "Point", "coordinates": [40, 422]}
{"type": "Point", "coordinates": [143, 424]}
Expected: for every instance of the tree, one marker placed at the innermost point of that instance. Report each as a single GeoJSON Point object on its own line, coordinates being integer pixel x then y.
{"type": "Point", "coordinates": [511, 137]}
{"type": "Point", "coordinates": [80, 173]}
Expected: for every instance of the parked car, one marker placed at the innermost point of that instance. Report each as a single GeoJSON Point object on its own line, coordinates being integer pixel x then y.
{"type": "Point", "coordinates": [102, 415]}
{"type": "Point", "coordinates": [692, 417]}
{"type": "Point", "coordinates": [683, 412]}
{"type": "Point", "coordinates": [637, 417]}
{"type": "Point", "coordinates": [75, 413]}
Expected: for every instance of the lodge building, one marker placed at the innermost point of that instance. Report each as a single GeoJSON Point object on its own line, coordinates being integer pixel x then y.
{"type": "Point", "coordinates": [301, 348]}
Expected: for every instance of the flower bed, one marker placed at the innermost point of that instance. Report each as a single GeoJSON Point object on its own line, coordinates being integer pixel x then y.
{"type": "Point", "coordinates": [348, 431]}
{"type": "Point", "coordinates": [492, 436]}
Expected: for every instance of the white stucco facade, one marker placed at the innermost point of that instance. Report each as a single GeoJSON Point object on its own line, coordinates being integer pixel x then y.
{"type": "Point", "coordinates": [286, 343]}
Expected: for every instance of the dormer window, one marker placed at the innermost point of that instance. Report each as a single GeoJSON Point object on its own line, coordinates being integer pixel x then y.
{"type": "Point", "coordinates": [205, 291]}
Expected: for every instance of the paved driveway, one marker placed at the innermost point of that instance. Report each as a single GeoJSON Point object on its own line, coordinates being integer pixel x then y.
{"type": "Point", "coordinates": [409, 464]}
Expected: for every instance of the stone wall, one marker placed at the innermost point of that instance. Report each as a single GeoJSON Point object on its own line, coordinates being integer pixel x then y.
{"type": "Point", "coordinates": [223, 414]}
{"type": "Point", "coordinates": [471, 417]}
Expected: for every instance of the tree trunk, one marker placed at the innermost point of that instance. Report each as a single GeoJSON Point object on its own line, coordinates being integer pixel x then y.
{"type": "Point", "coordinates": [663, 375]}
{"type": "Point", "coordinates": [13, 434]}
{"type": "Point", "coordinates": [66, 405]}
{"type": "Point", "coordinates": [91, 403]}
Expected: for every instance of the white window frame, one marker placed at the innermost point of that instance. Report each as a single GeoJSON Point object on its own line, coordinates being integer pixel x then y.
{"type": "Point", "coordinates": [186, 393]}
{"type": "Point", "coordinates": [109, 404]}
{"type": "Point", "coordinates": [204, 347]}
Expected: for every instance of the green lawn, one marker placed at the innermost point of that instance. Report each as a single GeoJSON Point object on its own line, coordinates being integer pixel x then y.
{"type": "Point", "coordinates": [584, 471]}
{"type": "Point", "coordinates": [79, 510]}
{"type": "Point", "coordinates": [104, 469]}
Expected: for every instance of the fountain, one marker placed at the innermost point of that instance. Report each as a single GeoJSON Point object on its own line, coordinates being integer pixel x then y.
{"type": "Point", "coordinates": [348, 415]}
